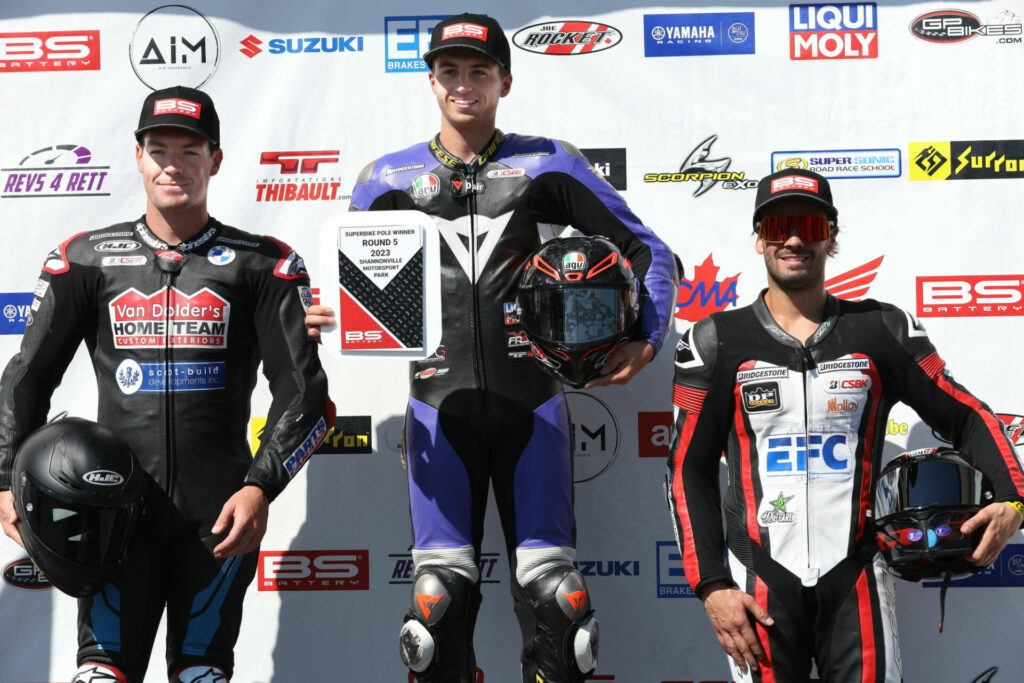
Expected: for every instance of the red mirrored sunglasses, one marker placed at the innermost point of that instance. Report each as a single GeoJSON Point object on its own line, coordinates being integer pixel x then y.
{"type": "Point", "coordinates": [778, 228]}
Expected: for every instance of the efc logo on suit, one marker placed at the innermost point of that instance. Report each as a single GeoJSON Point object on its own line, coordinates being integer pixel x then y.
{"type": "Point", "coordinates": [790, 454]}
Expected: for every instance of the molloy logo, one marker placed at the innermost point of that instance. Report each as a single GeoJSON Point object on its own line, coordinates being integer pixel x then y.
{"type": "Point", "coordinates": [103, 478]}
{"type": "Point", "coordinates": [705, 294]}
{"type": "Point", "coordinates": [567, 37]}
{"type": "Point", "coordinates": [967, 160]}
{"type": "Point", "coordinates": [299, 177]}
{"type": "Point", "coordinates": [853, 285]}
{"type": "Point", "coordinates": [50, 51]}
{"type": "Point", "coordinates": [405, 41]}
{"type": "Point", "coordinates": [174, 45]}
{"type": "Point", "coordinates": [949, 296]}
{"type": "Point", "coordinates": [842, 163]}
{"type": "Point", "coordinates": [595, 435]}
{"type": "Point", "coordinates": [706, 172]}
{"type": "Point", "coordinates": [54, 171]}
{"type": "Point", "coordinates": [957, 26]}
{"type": "Point", "coordinates": [833, 31]}
{"type": "Point", "coordinates": [25, 574]}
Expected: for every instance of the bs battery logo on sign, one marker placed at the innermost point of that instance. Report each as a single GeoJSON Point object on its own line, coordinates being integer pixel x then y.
{"type": "Point", "coordinates": [314, 570]}
{"type": "Point", "coordinates": [949, 296]}
{"type": "Point", "coordinates": [49, 51]}
{"type": "Point", "coordinates": [967, 160]}
{"type": "Point", "coordinates": [833, 31]}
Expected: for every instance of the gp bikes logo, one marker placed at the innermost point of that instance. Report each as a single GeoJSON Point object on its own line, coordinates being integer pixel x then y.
{"type": "Point", "coordinates": [708, 33]}
{"type": "Point", "coordinates": [705, 172]}
{"type": "Point", "coordinates": [403, 570]}
{"type": "Point", "coordinates": [562, 37]}
{"type": "Point", "coordinates": [595, 435]}
{"type": "Point", "coordinates": [949, 296]}
{"type": "Point", "coordinates": [169, 318]}
{"type": "Point", "coordinates": [705, 294]}
{"type": "Point", "coordinates": [50, 51]}
{"type": "Point", "coordinates": [314, 570]}
{"type": "Point", "coordinates": [405, 41]}
{"type": "Point", "coordinates": [25, 574]}
{"type": "Point", "coordinates": [55, 171]}
{"type": "Point", "coordinates": [301, 45]}
{"type": "Point", "coordinates": [833, 31]}
{"type": "Point", "coordinates": [1014, 426]}
{"type": "Point", "coordinates": [967, 160]}
{"type": "Point", "coordinates": [174, 45]}
{"type": "Point", "coordinates": [15, 311]}
{"type": "Point", "coordinates": [853, 285]}
{"type": "Point", "coordinates": [298, 177]}
{"type": "Point", "coordinates": [820, 454]}
{"type": "Point", "coordinates": [671, 580]}
{"type": "Point", "coordinates": [842, 163]}
{"type": "Point", "coordinates": [609, 163]}
{"type": "Point", "coordinates": [654, 433]}
{"type": "Point", "coordinates": [957, 26]}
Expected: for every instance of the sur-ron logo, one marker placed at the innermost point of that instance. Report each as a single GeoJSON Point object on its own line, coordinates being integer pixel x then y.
{"type": "Point", "coordinates": [174, 45]}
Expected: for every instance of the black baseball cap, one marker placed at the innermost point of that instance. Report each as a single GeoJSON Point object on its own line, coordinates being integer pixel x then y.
{"type": "Point", "coordinates": [180, 107]}
{"type": "Point", "coordinates": [794, 183]}
{"type": "Point", "coordinates": [470, 32]}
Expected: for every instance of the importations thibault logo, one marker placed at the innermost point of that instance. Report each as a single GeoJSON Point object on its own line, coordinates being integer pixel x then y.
{"type": "Point", "coordinates": [706, 33]}
{"type": "Point", "coordinates": [563, 37]}
{"type": "Point", "coordinates": [833, 31]}
{"type": "Point", "coordinates": [169, 318]}
{"type": "Point", "coordinates": [967, 160]}
{"type": "Point", "coordinates": [842, 163]}
{"type": "Point", "coordinates": [55, 171]}
{"type": "Point", "coordinates": [299, 177]}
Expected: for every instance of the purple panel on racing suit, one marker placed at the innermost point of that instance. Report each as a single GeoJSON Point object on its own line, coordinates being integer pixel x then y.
{"type": "Point", "coordinates": [439, 490]}
{"type": "Point", "coordinates": [543, 480]}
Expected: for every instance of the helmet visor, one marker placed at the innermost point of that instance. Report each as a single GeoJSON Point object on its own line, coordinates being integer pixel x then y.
{"type": "Point", "coordinates": [927, 483]}
{"type": "Point", "coordinates": [575, 315]}
{"type": "Point", "coordinates": [82, 534]}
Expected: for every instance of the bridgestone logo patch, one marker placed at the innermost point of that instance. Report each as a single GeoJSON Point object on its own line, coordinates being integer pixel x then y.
{"type": "Point", "coordinates": [169, 318]}
{"type": "Point", "coordinates": [761, 373]}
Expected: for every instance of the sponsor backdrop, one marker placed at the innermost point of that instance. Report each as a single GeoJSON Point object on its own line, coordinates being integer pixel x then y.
{"type": "Point", "coordinates": [911, 107]}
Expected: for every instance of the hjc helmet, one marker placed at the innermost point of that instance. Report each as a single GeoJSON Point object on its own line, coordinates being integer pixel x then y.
{"type": "Point", "coordinates": [78, 491]}
{"type": "Point", "coordinates": [921, 499]}
{"type": "Point", "coordinates": [577, 303]}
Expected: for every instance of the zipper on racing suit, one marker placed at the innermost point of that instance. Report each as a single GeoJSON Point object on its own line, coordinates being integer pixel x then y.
{"type": "Point", "coordinates": [479, 371]}
{"type": "Point", "coordinates": [170, 270]}
{"type": "Point", "coordinates": [807, 365]}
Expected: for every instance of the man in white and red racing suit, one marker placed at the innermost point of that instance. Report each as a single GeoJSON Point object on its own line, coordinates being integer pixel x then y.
{"type": "Point", "coordinates": [802, 427]}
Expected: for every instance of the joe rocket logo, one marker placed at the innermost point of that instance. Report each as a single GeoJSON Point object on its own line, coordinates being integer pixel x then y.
{"type": "Point", "coordinates": [49, 51]}
{"type": "Point", "coordinates": [174, 45]}
{"type": "Point", "coordinates": [670, 577]}
{"type": "Point", "coordinates": [133, 377]}
{"type": "Point", "coordinates": [252, 46]}
{"type": "Point", "coordinates": [405, 41]}
{"type": "Point", "coordinates": [833, 31]}
{"type": "Point", "coordinates": [842, 163]}
{"type": "Point", "coordinates": [299, 176]}
{"type": "Point", "coordinates": [169, 317]}
{"type": "Point", "coordinates": [562, 37]}
{"type": "Point", "coordinates": [55, 171]}
{"type": "Point", "coordinates": [705, 294]}
{"type": "Point", "coordinates": [15, 312]}
{"type": "Point", "coordinates": [708, 33]}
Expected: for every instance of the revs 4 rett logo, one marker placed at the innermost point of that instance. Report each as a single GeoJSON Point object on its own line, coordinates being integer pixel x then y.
{"type": "Point", "coordinates": [56, 171]}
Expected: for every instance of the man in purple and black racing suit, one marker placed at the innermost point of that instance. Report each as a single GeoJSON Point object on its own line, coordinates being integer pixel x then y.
{"type": "Point", "coordinates": [480, 410]}
{"type": "Point", "coordinates": [177, 311]}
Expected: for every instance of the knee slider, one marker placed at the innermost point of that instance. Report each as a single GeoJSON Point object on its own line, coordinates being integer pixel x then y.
{"type": "Point", "coordinates": [91, 672]}
{"type": "Point", "coordinates": [201, 673]}
{"type": "Point", "coordinates": [440, 600]}
{"type": "Point", "coordinates": [561, 603]}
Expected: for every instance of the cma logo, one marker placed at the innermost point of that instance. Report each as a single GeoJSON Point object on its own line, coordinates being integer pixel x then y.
{"type": "Point", "coordinates": [814, 453]}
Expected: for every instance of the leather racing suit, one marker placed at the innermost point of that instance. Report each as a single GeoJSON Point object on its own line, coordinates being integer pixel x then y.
{"type": "Point", "coordinates": [480, 409]}
{"type": "Point", "coordinates": [803, 428]}
{"type": "Point", "coordinates": [175, 336]}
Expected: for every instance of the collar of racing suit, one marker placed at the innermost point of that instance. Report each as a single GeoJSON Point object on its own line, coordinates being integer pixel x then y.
{"type": "Point", "coordinates": [203, 236]}
{"type": "Point", "coordinates": [452, 161]}
{"type": "Point", "coordinates": [764, 316]}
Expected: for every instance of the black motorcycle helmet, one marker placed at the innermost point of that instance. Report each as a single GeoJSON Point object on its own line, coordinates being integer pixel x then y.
{"type": "Point", "coordinates": [921, 499]}
{"type": "Point", "coordinates": [78, 491]}
{"type": "Point", "coordinates": [577, 303]}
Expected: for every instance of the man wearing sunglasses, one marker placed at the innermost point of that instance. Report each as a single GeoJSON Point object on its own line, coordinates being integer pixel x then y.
{"type": "Point", "coordinates": [796, 389]}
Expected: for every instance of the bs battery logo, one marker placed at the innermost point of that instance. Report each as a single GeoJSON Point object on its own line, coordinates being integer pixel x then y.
{"type": "Point", "coordinates": [314, 570]}
{"type": "Point", "coordinates": [967, 160]}
{"type": "Point", "coordinates": [49, 51]}
{"type": "Point", "coordinates": [833, 31]}
{"type": "Point", "coordinates": [953, 296]}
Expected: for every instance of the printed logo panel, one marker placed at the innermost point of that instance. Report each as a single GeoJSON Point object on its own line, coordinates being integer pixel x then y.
{"type": "Point", "coordinates": [952, 296]}
{"type": "Point", "coordinates": [841, 163]}
{"type": "Point", "coordinates": [709, 33]}
{"type": "Point", "coordinates": [169, 318]}
{"type": "Point", "coordinates": [562, 37]}
{"type": "Point", "coordinates": [405, 41]}
{"type": "Point", "coordinates": [314, 570]}
{"type": "Point", "coordinates": [49, 51]}
{"type": "Point", "coordinates": [817, 454]}
{"type": "Point", "coordinates": [671, 580]}
{"type": "Point", "coordinates": [966, 160]}
{"type": "Point", "coordinates": [833, 31]}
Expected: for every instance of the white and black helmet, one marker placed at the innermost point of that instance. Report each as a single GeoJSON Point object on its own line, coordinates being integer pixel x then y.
{"type": "Point", "coordinates": [78, 490]}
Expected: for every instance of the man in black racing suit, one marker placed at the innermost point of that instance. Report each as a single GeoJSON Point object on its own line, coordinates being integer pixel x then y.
{"type": "Point", "coordinates": [480, 409]}
{"type": "Point", "coordinates": [177, 311]}
{"type": "Point", "coordinates": [796, 389]}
